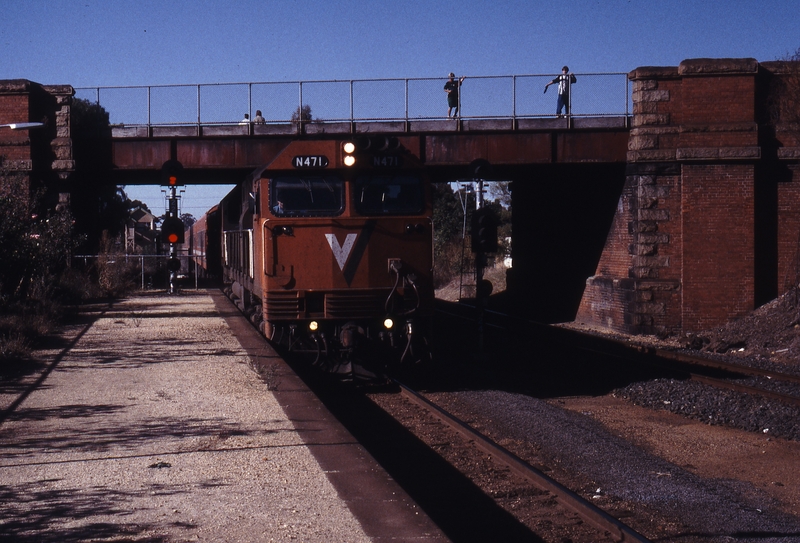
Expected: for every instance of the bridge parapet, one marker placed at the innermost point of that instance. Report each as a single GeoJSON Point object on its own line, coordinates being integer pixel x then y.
{"type": "Point", "coordinates": [374, 127]}
{"type": "Point", "coordinates": [304, 104]}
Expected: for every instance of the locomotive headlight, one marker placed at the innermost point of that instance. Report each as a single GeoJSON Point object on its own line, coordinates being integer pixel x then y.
{"type": "Point", "coordinates": [349, 148]}
{"type": "Point", "coordinates": [388, 323]}
{"type": "Point", "coordinates": [313, 326]}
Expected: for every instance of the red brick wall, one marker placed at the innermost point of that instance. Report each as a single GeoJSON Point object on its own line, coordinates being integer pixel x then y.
{"type": "Point", "coordinates": [688, 212]}
{"type": "Point", "coordinates": [42, 157]}
{"type": "Point", "coordinates": [615, 261]}
{"type": "Point", "coordinates": [14, 107]}
{"type": "Point", "coordinates": [14, 144]}
{"type": "Point", "coordinates": [789, 231]}
{"type": "Point", "coordinates": [718, 243]}
{"type": "Point", "coordinates": [720, 99]}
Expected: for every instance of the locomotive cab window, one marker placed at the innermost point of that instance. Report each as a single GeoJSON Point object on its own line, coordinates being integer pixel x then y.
{"type": "Point", "coordinates": [306, 196]}
{"type": "Point", "coordinates": [389, 195]}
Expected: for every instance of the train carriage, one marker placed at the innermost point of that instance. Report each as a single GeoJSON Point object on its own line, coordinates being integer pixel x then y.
{"type": "Point", "coordinates": [204, 246]}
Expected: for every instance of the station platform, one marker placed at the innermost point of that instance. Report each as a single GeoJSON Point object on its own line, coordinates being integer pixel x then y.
{"type": "Point", "coordinates": [147, 422]}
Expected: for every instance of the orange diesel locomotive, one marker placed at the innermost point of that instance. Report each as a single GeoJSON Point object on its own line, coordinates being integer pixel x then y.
{"type": "Point", "coordinates": [329, 249]}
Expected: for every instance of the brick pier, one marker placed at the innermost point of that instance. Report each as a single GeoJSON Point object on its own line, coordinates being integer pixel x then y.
{"type": "Point", "coordinates": [707, 226]}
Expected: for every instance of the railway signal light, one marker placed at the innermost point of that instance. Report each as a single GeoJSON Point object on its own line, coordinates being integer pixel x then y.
{"type": "Point", "coordinates": [173, 264]}
{"type": "Point", "coordinates": [481, 168]}
{"type": "Point", "coordinates": [172, 230]}
{"type": "Point", "coordinates": [172, 174]}
{"type": "Point", "coordinates": [484, 230]}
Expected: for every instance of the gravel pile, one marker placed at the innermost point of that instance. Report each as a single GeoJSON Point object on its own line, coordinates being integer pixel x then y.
{"type": "Point", "coordinates": [716, 406]}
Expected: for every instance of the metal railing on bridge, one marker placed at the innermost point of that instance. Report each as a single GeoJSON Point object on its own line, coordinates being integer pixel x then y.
{"type": "Point", "coordinates": [364, 100]}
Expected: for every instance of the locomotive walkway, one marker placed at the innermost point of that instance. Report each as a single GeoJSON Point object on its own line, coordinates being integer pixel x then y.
{"type": "Point", "coordinates": [148, 423]}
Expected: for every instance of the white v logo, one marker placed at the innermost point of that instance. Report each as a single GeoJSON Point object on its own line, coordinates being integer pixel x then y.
{"type": "Point", "coordinates": [341, 252]}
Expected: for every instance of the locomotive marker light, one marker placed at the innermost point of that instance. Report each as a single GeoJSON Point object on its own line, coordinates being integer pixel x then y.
{"type": "Point", "coordinates": [349, 148]}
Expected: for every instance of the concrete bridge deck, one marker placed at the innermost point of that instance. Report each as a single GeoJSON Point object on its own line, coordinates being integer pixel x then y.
{"type": "Point", "coordinates": [224, 154]}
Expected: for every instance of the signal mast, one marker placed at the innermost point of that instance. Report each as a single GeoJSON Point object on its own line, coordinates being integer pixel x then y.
{"type": "Point", "coordinates": [172, 229]}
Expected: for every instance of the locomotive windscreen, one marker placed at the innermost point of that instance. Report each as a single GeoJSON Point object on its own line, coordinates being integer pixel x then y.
{"type": "Point", "coordinates": [389, 195]}
{"type": "Point", "coordinates": [310, 196]}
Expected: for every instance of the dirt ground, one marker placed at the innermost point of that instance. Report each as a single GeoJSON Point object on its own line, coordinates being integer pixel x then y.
{"type": "Point", "coordinates": [771, 465]}
{"type": "Point", "coordinates": [769, 336]}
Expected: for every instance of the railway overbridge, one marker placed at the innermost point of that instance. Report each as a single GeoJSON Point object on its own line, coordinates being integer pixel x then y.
{"type": "Point", "coordinates": [678, 216]}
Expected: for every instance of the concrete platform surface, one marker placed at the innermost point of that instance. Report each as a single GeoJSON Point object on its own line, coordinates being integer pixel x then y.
{"type": "Point", "coordinates": [148, 424]}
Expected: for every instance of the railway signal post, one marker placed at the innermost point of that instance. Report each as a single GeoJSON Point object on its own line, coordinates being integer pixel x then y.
{"type": "Point", "coordinates": [172, 229]}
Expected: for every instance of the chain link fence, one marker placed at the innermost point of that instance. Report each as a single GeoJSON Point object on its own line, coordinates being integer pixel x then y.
{"type": "Point", "coordinates": [483, 97]}
{"type": "Point", "coordinates": [137, 271]}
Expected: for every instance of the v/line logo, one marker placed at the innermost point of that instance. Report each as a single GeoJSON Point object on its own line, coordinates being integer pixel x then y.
{"type": "Point", "coordinates": [348, 255]}
{"type": "Point", "coordinates": [341, 252]}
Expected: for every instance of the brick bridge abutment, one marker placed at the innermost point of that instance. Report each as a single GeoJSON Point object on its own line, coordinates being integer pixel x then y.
{"type": "Point", "coordinates": [707, 226]}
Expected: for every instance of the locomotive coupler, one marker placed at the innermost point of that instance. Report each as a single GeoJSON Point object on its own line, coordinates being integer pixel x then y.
{"type": "Point", "coordinates": [349, 336]}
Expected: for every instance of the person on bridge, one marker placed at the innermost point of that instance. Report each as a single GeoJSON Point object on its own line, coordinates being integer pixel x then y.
{"type": "Point", "coordinates": [246, 119]}
{"type": "Point", "coordinates": [259, 118]}
{"type": "Point", "coordinates": [451, 88]}
{"type": "Point", "coordinates": [565, 80]}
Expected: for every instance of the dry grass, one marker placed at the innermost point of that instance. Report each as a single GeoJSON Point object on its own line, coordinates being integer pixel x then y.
{"type": "Point", "coordinates": [496, 275]}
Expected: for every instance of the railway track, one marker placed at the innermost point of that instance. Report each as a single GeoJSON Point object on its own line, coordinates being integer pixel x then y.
{"type": "Point", "coordinates": [703, 369]}
{"type": "Point", "coordinates": [593, 515]}
{"type": "Point", "coordinates": [461, 488]}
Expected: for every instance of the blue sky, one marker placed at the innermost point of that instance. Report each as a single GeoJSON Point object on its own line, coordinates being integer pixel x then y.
{"type": "Point", "coordinates": [149, 42]}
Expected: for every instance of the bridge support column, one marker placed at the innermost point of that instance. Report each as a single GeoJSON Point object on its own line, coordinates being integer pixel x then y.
{"type": "Point", "coordinates": [635, 290]}
{"type": "Point", "coordinates": [40, 157]}
{"type": "Point", "coordinates": [681, 254]}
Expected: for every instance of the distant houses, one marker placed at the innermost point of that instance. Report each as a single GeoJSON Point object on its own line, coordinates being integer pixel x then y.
{"type": "Point", "coordinates": [141, 232]}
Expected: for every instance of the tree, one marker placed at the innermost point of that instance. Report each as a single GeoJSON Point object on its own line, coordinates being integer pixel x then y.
{"type": "Point", "coordinates": [500, 191]}
{"type": "Point", "coordinates": [448, 241]}
{"type": "Point", "coordinates": [302, 115]}
{"type": "Point", "coordinates": [96, 202]}
{"type": "Point", "coordinates": [188, 219]}
{"type": "Point", "coordinates": [33, 248]}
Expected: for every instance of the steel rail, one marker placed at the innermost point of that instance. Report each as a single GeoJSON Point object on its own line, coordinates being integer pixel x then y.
{"type": "Point", "coordinates": [748, 389]}
{"type": "Point", "coordinates": [585, 509]}
{"type": "Point", "coordinates": [727, 366]}
{"type": "Point", "coordinates": [665, 355]}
